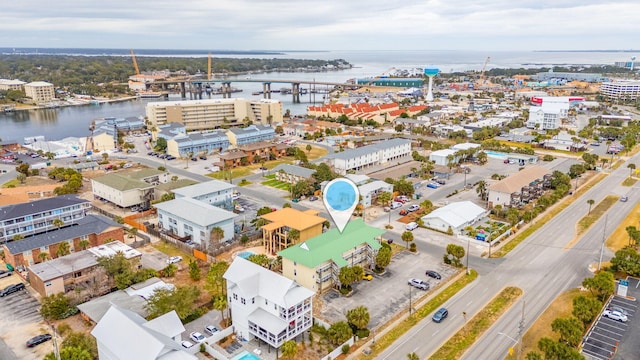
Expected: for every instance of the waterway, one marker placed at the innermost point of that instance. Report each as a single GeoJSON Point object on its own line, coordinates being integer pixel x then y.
{"type": "Point", "coordinates": [74, 121]}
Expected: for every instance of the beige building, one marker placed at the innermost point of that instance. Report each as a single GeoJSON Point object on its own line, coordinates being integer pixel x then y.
{"type": "Point", "coordinates": [275, 235]}
{"type": "Point", "coordinates": [129, 189]}
{"type": "Point", "coordinates": [103, 141]}
{"type": "Point", "coordinates": [522, 186]}
{"type": "Point", "coordinates": [40, 91]}
{"type": "Point", "coordinates": [214, 113]}
{"type": "Point", "coordinates": [7, 85]}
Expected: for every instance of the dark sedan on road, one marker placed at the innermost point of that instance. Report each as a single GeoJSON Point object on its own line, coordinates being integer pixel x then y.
{"type": "Point", "coordinates": [37, 340]}
{"type": "Point", "coordinates": [433, 274]}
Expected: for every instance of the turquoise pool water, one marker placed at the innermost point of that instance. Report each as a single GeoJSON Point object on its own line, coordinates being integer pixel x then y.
{"type": "Point", "coordinates": [246, 254]}
{"type": "Point", "coordinates": [245, 355]}
{"type": "Point", "coordinates": [495, 154]}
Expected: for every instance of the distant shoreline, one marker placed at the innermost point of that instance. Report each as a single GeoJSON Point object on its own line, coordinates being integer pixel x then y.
{"type": "Point", "coordinates": [587, 51]}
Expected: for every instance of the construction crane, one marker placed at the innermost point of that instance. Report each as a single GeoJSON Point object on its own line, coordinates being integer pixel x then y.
{"type": "Point", "coordinates": [209, 68]}
{"type": "Point", "coordinates": [135, 63]}
{"type": "Point", "coordinates": [481, 80]}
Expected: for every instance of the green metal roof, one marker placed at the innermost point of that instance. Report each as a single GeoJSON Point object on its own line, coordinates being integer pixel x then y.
{"type": "Point", "coordinates": [172, 185]}
{"type": "Point", "coordinates": [331, 245]}
{"type": "Point", "coordinates": [122, 182]}
{"type": "Point", "coordinates": [144, 173]}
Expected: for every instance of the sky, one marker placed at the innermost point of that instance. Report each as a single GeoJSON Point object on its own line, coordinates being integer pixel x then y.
{"type": "Point", "coordinates": [322, 25]}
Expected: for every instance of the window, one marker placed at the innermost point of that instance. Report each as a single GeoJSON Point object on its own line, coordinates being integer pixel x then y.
{"type": "Point", "coordinates": [243, 301]}
{"type": "Point", "coordinates": [253, 300]}
{"type": "Point", "coordinates": [235, 296]}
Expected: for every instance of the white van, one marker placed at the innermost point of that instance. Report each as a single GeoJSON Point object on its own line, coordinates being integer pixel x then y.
{"type": "Point", "coordinates": [411, 226]}
{"type": "Point", "coordinates": [395, 205]}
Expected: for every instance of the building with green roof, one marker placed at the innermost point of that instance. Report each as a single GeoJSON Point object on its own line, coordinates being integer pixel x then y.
{"type": "Point", "coordinates": [129, 189]}
{"type": "Point", "coordinates": [315, 263]}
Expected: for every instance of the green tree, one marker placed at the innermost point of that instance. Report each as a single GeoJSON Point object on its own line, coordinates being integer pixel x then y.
{"type": "Point", "coordinates": [383, 258]}
{"type": "Point", "coordinates": [308, 147]}
{"type": "Point", "coordinates": [348, 276]}
{"type": "Point", "coordinates": [84, 244]}
{"type": "Point", "coordinates": [481, 189]}
{"type": "Point", "coordinates": [132, 232]}
{"type": "Point", "coordinates": [43, 256]}
{"type": "Point", "coordinates": [180, 299]}
{"type": "Point", "coordinates": [217, 234]}
{"type": "Point", "coordinates": [585, 308]}
{"type": "Point", "coordinates": [358, 317]}
{"type": "Point", "coordinates": [169, 270]}
{"type": "Point", "coordinates": [407, 237]}
{"type": "Point", "coordinates": [22, 178]}
{"type": "Point", "coordinates": [161, 145]}
{"type": "Point", "coordinates": [215, 284]}
{"type": "Point", "coordinates": [403, 187]}
{"type": "Point", "coordinates": [23, 169]}
{"type": "Point", "coordinates": [413, 356]}
{"type": "Point", "coordinates": [339, 332]}
{"type": "Point", "coordinates": [289, 348]}
{"type": "Point", "coordinates": [385, 198]}
{"type": "Point", "coordinates": [455, 253]}
{"type": "Point", "coordinates": [426, 206]}
{"type": "Point", "coordinates": [569, 329]}
{"type": "Point", "coordinates": [259, 259]}
{"type": "Point", "coordinates": [293, 236]}
{"type": "Point", "coordinates": [56, 307]}
{"type": "Point", "coordinates": [286, 205]}
{"type": "Point", "coordinates": [194, 271]}
{"type": "Point", "coordinates": [590, 202]}
{"type": "Point", "coordinates": [301, 188]}
{"type": "Point", "coordinates": [71, 353]}
{"type": "Point", "coordinates": [324, 173]}
{"type": "Point", "coordinates": [80, 340]}
{"type": "Point", "coordinates": [63, 249]}
{"type": "Point", "coordinates": [627, 259]}
{"type": "Point", "coordinates": [220, 304]}
{"type": "Point", "coordinates": [631, 167]}
{"type": "Point", "coordinates": [482, 157]}
{"type": "Point", "coordinates": [557, 351]}
{"type": "Point", "coordinates": [601, 285]}
{"type": "Point", "coordinates": [532, 355]}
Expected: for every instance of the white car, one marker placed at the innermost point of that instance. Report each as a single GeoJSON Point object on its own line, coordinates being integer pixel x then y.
{"type": "Point", "coordinates": [197, 337]}
{"type": "Point", "coordinates": [420, 284]}
{"type": "Point", "coordinates": [210, 329]}
{"type": "Point", "coordinates": [187, 344]}
{"type": "Point", "coordinates": [615, 315]}
{"type": "Point", "coordinates": [411, 226]}
{"type": "Point", "coordinates": [174, 259]}
{"type": "Point", "coordinates": [413, 208]}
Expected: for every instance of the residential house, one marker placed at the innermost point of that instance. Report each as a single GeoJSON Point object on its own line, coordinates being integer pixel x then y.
{"type": "Point", "coordinates": [454, 217]}
{"type": "Point", "coordinates": [371, 190]}
{"type": "Point", "coordinates": [123, 335]}
{"type": "Point", "coordinates": [129, 189]}
{"type": "Point", "coordinates": [250, 134]}
{"type": "Point", "coordinates": [266, 305]}
{"type": "Point", "coordinates": [444, 157]}
{"type": "Point", "coordinates": [263, 151]}
{"type": "Point", "coordinates": [38, 216]}
{"type": "Point", "coordinates": [171, 186]}
{"type": "Point", "coordinates": [275, 234]}
{"type": "Point", "coordinates": [194, 144]}
{"type": "Point", "coordinates": [215, 192]}
{"type": "Point", "coordinates": [92, 230]}
{"type": "Point", "coordinates": [292, 174]}
{"type": "Point", "coordinates": [510, 190]}
{"type": "Point", "coordinates": [316, 263]}
{"type": "Point", "coordinates": [79, 274]}
{"type": "Point", "coordinates": [381, 153]}
{"type": "Point", "coordinates": [191, 219]}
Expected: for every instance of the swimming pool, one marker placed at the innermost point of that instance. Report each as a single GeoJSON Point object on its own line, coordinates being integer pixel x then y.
{"type": "Point", "coordinates": [495, 154]}
{"type": "Point", "coordinates": [245, 355]}
{"type": "Point", "coordinates": [245, 254]}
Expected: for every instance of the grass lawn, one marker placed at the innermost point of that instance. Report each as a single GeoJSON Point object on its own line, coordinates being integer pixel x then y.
{"type": "Point", "coordinates": [596, 213]}
{"type": "Point", "coordinates": [316, 151]}
{"type": "Point", "coordinates": [171, 250]}
{"type": "Point", "coordinates": [619, 238]}
{"type": "Point", "coordinates": [561, 307]}
{"type": "Point", "coordinates": [270, 176]}
{"type": "Point", "coordinates": [629, 181]}
{"type": "Point", "coordinates": [11, 183]}
{"type": "Point", "coordinates": [244, 182]}
{"type": "Point", "coordinates": [276, 184]}
{"type": "Point", "coordinates": [474, 328]}
{"type": "Point", "coordinates": [384, 341]}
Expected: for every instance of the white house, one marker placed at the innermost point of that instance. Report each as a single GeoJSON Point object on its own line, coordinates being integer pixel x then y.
{"type": "Point", "coordinates": [371, 155]}
{"type": "Point", "coordinates": [266, 305]}
{"type": "Point", "coordinates": [371, 190]}
{"type": "Point", "coordinates": [186, 217]}
{"type": "Point", "coordinates": [439, 157]}
{"type": "Point", "coordinates": [455, 216]}
{"type": "Point", "coordinates": [217, 193]}
{"type": "Point", "coordinates": [123, 335]}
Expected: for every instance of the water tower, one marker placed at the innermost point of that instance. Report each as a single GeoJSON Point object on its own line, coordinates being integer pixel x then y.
{"type": "Point", "coordinates": [430, 72]}
{"type": "Point", "coordinates": [633, 58]}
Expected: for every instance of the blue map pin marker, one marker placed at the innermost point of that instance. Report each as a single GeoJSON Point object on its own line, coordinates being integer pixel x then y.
{"type": "Point", "coordinates": [340, 198]}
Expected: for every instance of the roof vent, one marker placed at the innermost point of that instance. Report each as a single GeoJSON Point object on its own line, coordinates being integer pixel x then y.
{"type": "Point", "coordinates": [304, 246]}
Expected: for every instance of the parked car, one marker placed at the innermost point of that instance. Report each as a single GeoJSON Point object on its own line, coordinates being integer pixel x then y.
{"type": "Point", "coordinates": [395, 205]}
{"type": "Point", "coordinates": [174, 259]}
{"type": "Point", "coordinates": [615, 315]}
{"type": "Point", "coordinates": [401, 199]}
{"type": "Point", "coordinates": [413, 208]}
{"type": "Point", "coordinates": [313, 198]}
{"type": "Point", "coordinates": [295, 200]}
{"type": "Point", "coordinates": [440, 181]}
{"type": "Point", "coordinates": [202, 157]}
{"type": "Point", "coordinates": [440, 315]}
{"type": "Point", "coordinates": [197, 337]}
{"type": "Point", "coordinates": [432, 185]}
{"type": "Point", "coordinates": [618, 309]}
{"type": "Point", "coordinates": [210, 329]}
{"type": "Point", "coordinates": [194, 159]}
{"type": "Point", "coordinates": [187, 344]}
{"type": "Point", "coordinates": [11, 289]}
{"type": "Point", "coordinates": [624, 199]}
{"type": "Point", "coordinates": [386, 209]}
{"type": "Point", "coordinates": [263, 168]}
{"type": "Point", "coordinates": [433, 274]}
{"type": "Point", "coordinates": [239, 208]}
{"type": "Point", "coordinates": [403, 212]}
{"type": "Point", "coordinates": [5, 273]}
{"type": "Point", "coordinates": [367, 277]}
{"type": "Point", "coordinates": [37, 340]}
{"type": "Point", "coordinates": [420, 284]}
{"type": "Point", "coordinates": [411, 226]}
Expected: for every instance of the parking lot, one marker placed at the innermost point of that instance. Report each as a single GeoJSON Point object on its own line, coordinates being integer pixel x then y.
{"type": "Point", "coordinates": [609, 337]}
{"type": "Point", "coordinates": [21, 321]}
{"type": "Point", "coordinates": [375, 294]}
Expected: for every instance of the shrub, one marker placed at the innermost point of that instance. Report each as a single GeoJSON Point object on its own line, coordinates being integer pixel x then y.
{"type": "Point", "coordinates": [548, 157]}
{"type": "Point", "coordinates": [413, 247]}
{"type": "Point", "coordinates": [345, 349]}
{"type": "Point", "coordinates": [362, 333]}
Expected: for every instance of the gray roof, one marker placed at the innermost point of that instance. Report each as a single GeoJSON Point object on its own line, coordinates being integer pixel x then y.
{"type": "Point", "coordinates": [33, 207]}
{"type": "Point", "coordinates": [61, 266]}
{"type": "Point", "coordinates": [90, 224]}
{"type": "Point", "coordinates": [294, 170]}
{"type": "Point", "coordinates": [96, 308]}
{"type": "Point", "coordinates": [357, 152]}
{"type": "Point", "coordinates": [251, 129]}
{"type": "Point", "coordinates": [203, 188]}
{"type": "Point", "coordinates": [197, 212]}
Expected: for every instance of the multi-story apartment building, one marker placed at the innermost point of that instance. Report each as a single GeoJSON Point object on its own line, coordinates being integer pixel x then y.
{"type": "Point", "coordinates": [40, 91]}
{"type": "Point", "coordinates": [91, 230]}
{"type": "Point", "coordinates": [129, 189]}
{"type": "Point", "coordinates": [370, 155]}
{"type": "Point", "coordinates": [292, 174]}
{"type": "Point", "coordinates": [544, 118]}
{"type": "Point", "coordinates": [214, 113]}
{"type": "Point", "coordinates": [79, 272]}
{"type": "Point", "coordinates": [266, 305]}
{"type": "Point", "coordinates": [36, 217]}
{"type": "Point", "coordinates": [6, 84]}
{"type": "Point", "coordinates": [250, 134]}
{"type": "Point", "coordinates": [316, 263]}
{"type": "Point", "coordinates": [194, 220]}
{"type": "Point", "coordinates": [621, 90]}
{"type": "Point", "coordinates": [275, 235]}
{"type": "Point", "coordinates": [214, 192]}
{"type": "Point", "coordinates": [197, 143]}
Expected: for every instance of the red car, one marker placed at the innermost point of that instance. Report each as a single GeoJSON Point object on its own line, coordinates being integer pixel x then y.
{"type": "Point", "coordinates": [403, 212]}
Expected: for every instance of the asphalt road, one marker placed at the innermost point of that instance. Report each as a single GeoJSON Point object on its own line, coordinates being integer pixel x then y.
{"type": "Point", "coordinates": [540, 266]}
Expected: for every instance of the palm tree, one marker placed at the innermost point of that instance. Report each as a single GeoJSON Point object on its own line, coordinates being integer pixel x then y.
{"type": "Point", "coordinates": [590, 202]}
{"type": "Point", "coordinates": [58, 223]}
{"type": "Point", "coordinates": [217, 234]}
{"type": "Point", "coordinates": [63, 249]}
{"type": "Point", "coordinates": [220, 304]}
{"type": "Point", "coordinates": [426, 205]}
{"type": "Point", "coordinates": [631, 167]}
{"type": "Point", "coordinates": [359, 317]}
{"type": "Point", "coordinates": [18, 237]}
{"type": "Point", "coordinates": [294, 236]}
{"type": "Point", "coordinates": [414, 356]}
{"type": "Point", "coordinates": [43, 256]}
{"type": "Point", "coordinates": [407, 237]}
{"type": "Point", "coordinates": [289, 349]}
{"type": "Point", "coordinates": [84, 244]}
{"type": "Point", "coordinates": [132, 232]}
{"type": "Point", "coordinates": [482, 189]}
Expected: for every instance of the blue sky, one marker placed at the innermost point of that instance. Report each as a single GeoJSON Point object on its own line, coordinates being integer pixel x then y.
{"type": "Point", "coordinates": [322, 25]}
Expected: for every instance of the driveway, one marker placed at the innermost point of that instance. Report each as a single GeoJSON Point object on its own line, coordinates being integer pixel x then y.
{"type": "Point", "coordinates": [388, 294]}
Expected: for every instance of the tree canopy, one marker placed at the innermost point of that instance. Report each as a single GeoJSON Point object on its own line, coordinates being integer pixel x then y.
{"type": "Point", "coordinates": [180, 299]}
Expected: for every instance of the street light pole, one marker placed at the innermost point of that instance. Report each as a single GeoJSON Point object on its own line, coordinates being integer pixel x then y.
{"type": "Point", "coordinates": [604, 237]}
{"type": "Point", "coordinates": [468, 272]}
{"type": "Point", "coordinates": [409, 300]}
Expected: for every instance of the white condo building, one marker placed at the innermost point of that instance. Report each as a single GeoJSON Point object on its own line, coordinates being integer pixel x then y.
{"type": "Point", "coordinates": [40, 91]}
{"type": "Point", "coordinates": [363, 157]}
{"type": "Point", "coordinates": [214, 113]}
{"type": "Point", "coordinates": [623, 90]}
{"type": "Point", "coordinates": [266, 305]}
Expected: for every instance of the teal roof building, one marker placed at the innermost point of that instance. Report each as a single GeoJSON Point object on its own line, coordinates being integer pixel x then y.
{"type": "Point", "coordinates": [395, 82]}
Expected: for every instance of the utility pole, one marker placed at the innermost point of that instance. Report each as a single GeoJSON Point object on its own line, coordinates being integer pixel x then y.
{"type": "Point", "coordinates": [56, 351]}
{"type": "Point", "coordinates": [409, 300]}
{"type": "Point", "coordinates": [468, 271]}
{"type": "Point", "coordinates": [604, 237]}
{"type": "Point", "coordinates": [520, 331]}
